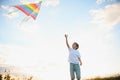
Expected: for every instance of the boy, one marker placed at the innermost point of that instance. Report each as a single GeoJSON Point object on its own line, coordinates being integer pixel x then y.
{"type": "Point", "coordinates": [74, 59]}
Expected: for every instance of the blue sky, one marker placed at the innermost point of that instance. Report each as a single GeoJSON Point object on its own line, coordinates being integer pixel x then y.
{"type": "Point", "coordinates": [93, 24]}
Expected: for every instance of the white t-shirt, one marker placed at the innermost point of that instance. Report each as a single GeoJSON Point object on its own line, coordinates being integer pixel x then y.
{"type": "Point", "coordinates": [73, 56]}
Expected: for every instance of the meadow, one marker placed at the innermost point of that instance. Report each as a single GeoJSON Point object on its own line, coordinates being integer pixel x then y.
{"type": "Point", "coordinates": [10, 77]}
{"type": "Point", "coordinates": [114, 77]}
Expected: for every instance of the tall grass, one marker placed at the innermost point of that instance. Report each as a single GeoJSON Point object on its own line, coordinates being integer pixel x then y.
{"type": "Point", "coordinates": [115, 77]}
{"type": "Point", "coordinates": [7, 76]}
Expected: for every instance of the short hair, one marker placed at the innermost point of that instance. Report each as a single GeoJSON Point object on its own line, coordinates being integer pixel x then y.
{"type": "Point", "coordinates": [76, 45]}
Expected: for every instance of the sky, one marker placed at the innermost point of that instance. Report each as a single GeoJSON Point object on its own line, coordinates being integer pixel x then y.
{"type": "Point", "coordinates": [38, 46]}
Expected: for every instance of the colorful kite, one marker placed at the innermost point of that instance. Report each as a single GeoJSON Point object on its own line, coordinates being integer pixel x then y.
{"type": "Point", "coordinates": [31, 10]}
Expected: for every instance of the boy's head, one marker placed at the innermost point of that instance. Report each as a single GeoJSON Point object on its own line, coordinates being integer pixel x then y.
{"type": "Point", "coordinates": [75, 45]}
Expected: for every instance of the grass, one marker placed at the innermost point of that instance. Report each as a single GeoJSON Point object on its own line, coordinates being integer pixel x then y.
{"type": "Point", "coordinates": [115, 77]}
{"type": "Point", "coordinates": [9, 77]}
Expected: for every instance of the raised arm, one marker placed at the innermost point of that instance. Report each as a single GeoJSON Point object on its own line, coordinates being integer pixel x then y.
{"type": "Point", "coordinates": [66, 37]}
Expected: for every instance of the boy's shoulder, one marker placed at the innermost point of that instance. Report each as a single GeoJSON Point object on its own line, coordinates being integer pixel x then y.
{"type": "Point", "coordinates": [73, 49]}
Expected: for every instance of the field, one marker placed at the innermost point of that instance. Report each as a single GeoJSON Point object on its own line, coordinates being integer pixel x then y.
{"type": "Point", "coordinates": [115, 77]}
{"type": "Point", "coordinates": [11, 77]}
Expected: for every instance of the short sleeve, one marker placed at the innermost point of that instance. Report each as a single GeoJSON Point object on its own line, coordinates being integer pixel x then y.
{"type": "Point", "coordinates": [69, 49]}
{"type": "Point", "coordinates": [78, 55]}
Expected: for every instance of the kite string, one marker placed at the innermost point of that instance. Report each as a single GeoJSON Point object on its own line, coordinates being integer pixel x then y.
{"type": "Point", "coordinates": [25, 20]}
{"type": "Point", "coordinates": [27, 17]}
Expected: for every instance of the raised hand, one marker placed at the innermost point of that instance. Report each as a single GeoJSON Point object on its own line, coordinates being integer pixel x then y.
{"type": "Point", "coordinates": [66, 36]}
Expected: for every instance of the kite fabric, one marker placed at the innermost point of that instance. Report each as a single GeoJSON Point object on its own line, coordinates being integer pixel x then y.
{"type": "Point", "coordinates": [31, 10]}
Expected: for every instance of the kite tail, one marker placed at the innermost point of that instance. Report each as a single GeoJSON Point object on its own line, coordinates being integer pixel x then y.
{"type": "Point", "coordinates": [12, 12]}
{"type": "Point", "coordinates": [25, 20]}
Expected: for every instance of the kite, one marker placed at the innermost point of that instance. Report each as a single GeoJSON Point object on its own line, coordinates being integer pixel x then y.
{"type": "Point", "coordinates": [31, 10]}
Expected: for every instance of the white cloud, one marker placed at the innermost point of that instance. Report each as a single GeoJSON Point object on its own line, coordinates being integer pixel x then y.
{"type": "Point", "coordinates": [7, 8]}
{"type": "Point", "coordinates": [29, 1]}
{"type": "Point", "coordinates": [4, 7]}
{"type": "Point", "coordinates": [11, 12]}
{"type": "Point", "coordinates": [11, 16]}
{"type": "Point", "coordinates": [45, 3]}
{"type": "Point", "coordinates": [51, 3]}
{"type": "Point", "coordinates": [102, 1]}
{"type": "Point", "coordinates": [108, 17]}
{"type": "Point", "coordinates": [33, 59]}
{"type": "Point", "coordinates": [2, 60]}
{"type": "Point", "coordinates": [3, 54]}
